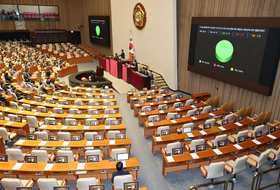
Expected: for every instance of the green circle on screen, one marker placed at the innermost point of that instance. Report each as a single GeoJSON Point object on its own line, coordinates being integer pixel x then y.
{"type": "Point", "coordinates": [97, 30]}
{"type": "Point", "coordinates": [224, 51]}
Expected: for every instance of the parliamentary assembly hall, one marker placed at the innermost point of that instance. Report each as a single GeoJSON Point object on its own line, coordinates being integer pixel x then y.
{"type": "Point", "coordinates": [139, 95]}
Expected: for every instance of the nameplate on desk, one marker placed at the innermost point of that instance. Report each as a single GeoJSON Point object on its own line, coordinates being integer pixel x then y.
{"type": "Point", "coordinates": [193, 106]}
{"type": "Point", "coordinates": [143, 113]}
{"type": "Point", "coordinates": [36, 113]}
{"type": "Point", "coordinates": [43, 126]}
{"type": "Point", "coordinates": [59, 105]}
{"type": "Point", "coordinates": [193, 118]}
{"type": "Point", "coordinates": [177, 100]}
{"type": "Point", "coordinates": [21, 111]}
{"type": "Point", "coordinates": [217, 151]}
{"type": "Point", "coordinates": [271, 136]}
{"type": "Point", "coordinates": [161, 111]}
{"type": "Point", "coordinates": [165, 101]}
{"type": "Point", "coordinates": [239, 124]}
{"type": "Point", "coordinates": [79, 99]}
{"type": "Point", "coordinates": [65, 98]}
{"type": "Point", "coordinates": [129, 92]}
{"type": "Point", "coordinates": [89, 143]}
{"type": "Point", "coordinates": [203, 132]}
{"type": "Point", "coordinates": [89, 106]}
{"type": "Point", "coordinates": [9, 123]}
{"type": "Point", "coordinates": [7, 109]}
{"type": "Point", "coordinates": [222, 128]}
{"type": "Point", "coordinates": [64, 127]}
{"type": "Point", "coordinates": [124, 163]}
{"type": "Point", "coordinates": [52, 115]}
{"type": "Point", "coordinates": [170, 159]}
{"type": "Point", "coordinates": [107, 126]}
{"type": "Point", "coordinates": [43, 94]}
{"type": "Point", "coordinates": [45, 104]}
{"type": "Point", "coordinates": [49, 166]}
{"type": "Point", "coordinates": [65, 143]}
{"type": "Point", "coordinates": [70, 115]}
{"type": "Point", "coordinates": [20, 142]}
{"type": "Point", "coordinates": [73, 92]}
{"type": "Point", "coordinates": [42, 143]}
{"type": "Point", "coordinates": [136, 105]}
{"type": "Point", "coordinates": [106, 115]}
{"type": "Point", "coordinates": [194, 156]}
{"type": "Point", "coordinates": [104, 106]}
{"type": "Point", "coordinates": [17, 166]}
{"type": "Point", "coordinates": [81, 166]}
{"type": "Point", "coordinates": [190, 135]}
{"type": "Point", "coordinates": [150, 124]}
{"type": "Point", "coordinates": [173, 121]}
{"type": "Point", "coordinates": [88, 93]}
{"type": "Point", "coordinates": [151, 103]}
{"type": "Point", "coordinates": [238, 146]}
{"type": "Point", "coordinates": [211, 114]}
{"type": "Point", "coordinates": [86, 127]}
{"type": "Point", "coordinates": [112, 142]}
{"type": "Point", "coordinates": [256, 141]}
{"type": "Point", "coordinates": [158, 138]}
{"type": "Point", "coordinates": [178, 109]}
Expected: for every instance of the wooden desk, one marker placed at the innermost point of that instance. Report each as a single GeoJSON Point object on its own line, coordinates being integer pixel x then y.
{"type": "Point", "coordinates": [79, 60]}
{"type": "Point", "coordinates": [201, 96]}
{"type": "Point", "coordinates": [2, 146]}
{"type": "Point", "coordinates": [187, 162]}
{"type": "Point", "coordinates": [126, 73]}
{"type": "Point", "coordinates": [75, 146]}
{"type": "Point", "coordinates": [20, 128]}
{"type": "Point", "coordinates": [130, 94]}
{"type": "Point", "coordinates": [67, 71]}
{"type": "Point", "coordinates": [103, 169]}
{"type": "Point", "coordinates": [149, 128]}
{"type": "Point", "coordinates": [137, 107]}
{"type": "Point", "coordinates": [142, 117]}
{"type": "Point", "coordinates": [73, 99]}
{"type": "Point", "coordinates": [183, 138]}
{"type": "Point", "coordinates": [85, 93]}
{"type": "Point", "coordinates": [140, 81]}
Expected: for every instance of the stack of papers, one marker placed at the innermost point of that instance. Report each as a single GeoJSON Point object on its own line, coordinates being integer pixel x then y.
{"type": "Point", "coordinates": [87, 116]}
{"type": "Point", "coordinates": [158, 138]}
{"type": "Point", "coordinates": [195, 156]}
{"type": "Point", "coordinates": [17, 166]}
{"type": "Point", "coordinates": [43, 126]}
{"type": "Point", "coordinates": [64, 127]}
{"type": "Point", "coordinates": [81, 166]}
{"type": "Point", "coordinates": [65, 143]}
{"type": "Point", "coordinates": [20, 142]}
{"type": "Point", "coordinates": [222, 128]}
{"type": "Point", "coordinates": [42, 143]}
{"type": "Point", "coordinates": [107, 126]}
{"type": "Point", "coordinates": [151, 103]}
{"type": "Point", "coordinates": [20, 111]}
{"type": "Point", "coordinates": [256, 141]}
{"type": "Point", "coordinates": [203, 132]}
{"type": "Point", "coordinates": [194, 118]}
{"type": "Point", "coordinates": [170, 159]}
{"type": "Point", "coordinates": [161, 111]}
{"type": "Point", "coordinates": [86, 127]}
{"type": "Point", "coordinates": [190, 134]}
{"type": "Point", "coordinates": [239, 124]}
{"type": "Point", "coordinates": [36, 113]}
{"type": "Point", "coordinates": [112, 141]}
{"type": "Point", "coordinates": [193, 106]}
{"type": "Point", "coordinates": [70, 115]}
{"type": "Point", "coordinates": [178, 100]}
{"type": "Point", "coordinates": [136, 105]}
{"type": "Point", "coordinates": [150, 124]}
{"type": "Point", "coordinates": [165, 102]}
{"type": "Point", "coordinates": [143, 113]}
{"type": "Point", "coordinates": [104, 106]}
{"type": "Point", "coordinates": [173, 121]}
{"type": "Point", "coordinates": [211, 114]}
{"type": "Point", "coordinates": [106, 115]}
{"type": "Point", "coordinates": [9, 123]}
{"type": "Point", "coordinates": [238, 146]}
{"type": "Point", "coordinates": [89, 143]}
{"type": "Point", "coordinates": [48, 166]}
{"type": "Point", "coordinates": [217, 151]}
{"type": "Point", "coordinates": [52, 115]}
{"type": "Point", "coordinates": [178, 109]}
{"type": "Point", "coordinates": [271, 136]}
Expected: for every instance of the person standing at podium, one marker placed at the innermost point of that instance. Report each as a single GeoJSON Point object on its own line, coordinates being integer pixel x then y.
{"type": "Point", "coordinates": [122, 54]}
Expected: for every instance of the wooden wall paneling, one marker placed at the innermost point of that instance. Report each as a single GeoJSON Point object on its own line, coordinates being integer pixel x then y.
{"type": "Point", "coordinates": [277, 9]}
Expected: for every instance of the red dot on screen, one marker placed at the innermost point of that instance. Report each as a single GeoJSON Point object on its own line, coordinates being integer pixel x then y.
{"type": "Point", "coordinates": [214, 64]}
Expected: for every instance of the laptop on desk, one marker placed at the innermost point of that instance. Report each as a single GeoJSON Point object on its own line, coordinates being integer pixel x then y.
{"type": "Point", "coordinates": [201, 147]}
{"type": "Point", "coordinates": [131, 186]}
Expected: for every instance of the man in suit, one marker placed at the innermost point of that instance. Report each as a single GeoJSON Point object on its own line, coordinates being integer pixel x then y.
{"type": "Point", "coordinates": [122, 54]}
{"type": "Point", "coordinates": [135, 64]}
{"type": "Point", "coordinates": [120, 171]}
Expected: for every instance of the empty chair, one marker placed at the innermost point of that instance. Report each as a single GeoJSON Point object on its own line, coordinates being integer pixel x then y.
{"type": "Point", "coordinates": [38, 98]}
{"type": "Point", "coordinates": [64, 135]}
{"type": "Point", "coordinates": [7, 136]}
{"type": "Point", "coordinates": [206, 109]}
{"type": "Point", "coordinates": [47, 119]}
{"type": "Point", "coordinates": [160, 98]}
{"type": "Point", "coordinates": [210, 101]}
{"type": "Point", "coordinates": [150, 118]}
{"type": "Point", "coordinates": [258, 119]}
{"type": "Point", "coordinates": [190, 113]}
{"type": "Point", "coordinates": [72, 110]}
{"type": "Point", "coordinates": [142, 101]}
{"type": "Point", "coordinates": [107, 111]}
{"type": "Point", "coordinates": [72, 95]}
{"type": "Point", "coordinates": [77, 102]}
{"type": "Point", "coordinates": [50, 183]}
{"type": "Point", "coordinates": [216, 101]}
{"type": "Point", "coordinates": [14, 105]}
{"type": "Point", "coordinates": [61, 101]}
{"type": "Point", "coordinates": [159, 129]}
{"type": "Point", "coordinates": [224, 107]}
{"type": "Point", "coordinates": [69, 154]}
{"type": "Point", "coordinates": [14, 154]}
{"type": "Point", "coordinates": [32, 122]}
{"type": "Point", "coordinates": [211, 121]}
{"type": "Point", "coordinates": [234, 137]}
{"type": "Point", "coordinates": [48, 100]}
{"type": "Point", "coordinates": [274, 154]}
{"type": "Point", "coordinates": [119, 181]}
{"type": "Point", "coordinates": [41, 134]}
{"type": "Point", "coordinates": [67, 120]}
{"type": "Point", "coordinates": [258, 161]}
{"type": "Point", "coordinates": [187, 125]}
{"type": "Point", "coordinates": [42, 155]}
{"type": "Point", "coordinates": [93, 103]}
{"type": "Point", "coordinates": [108, 121]}
{"type": "Point", "coordinates": [89, 120]}
{"type": "Point", "coordinates": [214, 143]}
{"type": "Point", "coordinates": [160, 107]}
{"type": "Point", "coordinates": [144, 108]}
{"type": "Point", "coordinates": [36, 91]}
{"type": "Point", "coordinates": [161, 91]}
{"type": "Point", "coordinates": [112, 134]}
{"type": "Point", "coordinates": [228, 117]}
{"type": "Point", "coordinates": [115, 151]}
{"type": "Point", "coordinates": [90, 111]}
{"type": "Point", "coordinates": [170, 146]}
{"type": "Point", "coordinates": [253, 132]}
{"type": "Point", "coordinates": [214, 170]}
{"type": "Point", "coordinates": [84, 183]}
{"type": "Point", "coordinates": [39, 108]}
{"type": "Point", "coordinates": [230, 107]}
{"type": "Point", "coordinates": [56, 110]}
{"type": "Point", "coordinates": [95, 152]}
{"type": "Point", "coordinates": [236, 165]}
{"type": "Point", "coordinates": [189, 102]}
{"type": "Point", "coordinates": [26, 107]}
{"type": "Point", "coordinates": [14, 97]}
{"type": "Point", "coordinates": [266, 117]}
{"type": "Point", "coordinates": [248, 111]}
{"type": "Point", "coordinates": [13, 183]}
{"type": "Point", "coordinates": [194, 143]}
{"type": "Point", "coordinates": [170, 115]}
{"type": "Point", "coordinates": [174, 96]}
{"type": "Point", "coordinates": [177, 105]}
{"type": "Point", "coordinates": [90, 135]}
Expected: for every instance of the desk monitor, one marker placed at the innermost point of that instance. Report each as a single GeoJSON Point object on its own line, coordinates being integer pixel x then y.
{"type": "Point", "coordinates": [3, 158]}
{"type": "Point", "coordinates": [137, 95]}
{"type": "Point", "coordinates": [28, 97]}
{"type": "Point", "coordinates": [200, 147]}
{"type": "Point", "coordinates": [207, 126]}
{"type": "Point", "coordinates": [122, 156]}
{"type": "Point", "coordinates": [177, 151]}
{"type": "Point", "coordinates": [224, 121]}
{"type": "Point", "coordinates": [97, 97]}
{"type": "Point", "coordinates": [241, 139]}
{"type": "Point", "coordinates": [71, 95]}
{"type": "Point", "coordinates": [61, 188]}
{"type": "Point", "coordinates": [92, 158]}
{"type": "Point", "coordinates": [53, 122]}
{"type": "Point", "coordinates": [66, 102]}
{"type": "Point", "coordinates": [14, 106]}
{"type": "Point", "coordinates": [153, 94]}
{"type": "Point", "coordinates": [156, 119]}
{"type": "Point", "coordinates": [214, 109]}
{"type": "Point", "coordinates": [2, 117]}
{"type": "Point", "coordinates": [181, 104]}
{"type": "Point", "coordinates": [73, 123]}
{"type": "Point", "coordinates": [44, 110]}
{"type": "Point", "coordinates": [79, 90]}
{"type": "Point", "coordinates": [49, 93]}
{"type": "Point", "coordinates": [165, 132]}
{"type": "Point", "coordinates": [75, 137]}
{"type": "Point", "coordinates": [53, 137]}
{"type": "Point", "coordinates": [18, 119]}
{"type": "Point", "coordinates": [166, 91]}
{"type": "Point", "coordinates": [98, 137]}
{"type": "Point", "coordinates": [165, 107]}
{"type": "Point", "coordinates": [31, 137]}
{"type": "Point", "coordinates": [111, 103]}
{"type": "Point", "coordinates": [110, 96]}
{"type": "Point", "coordinates": [272, 129]}
{"type": "Point", "coordinates": [145, 89]}
{"type": "Point", "coordinates": [78, 112]}
{"type": "Point", "coordinates": [2, 104]}
{"type": "Point", "coordinates": [168, 98]}
{"type": "Point", "coordinates": [180, 96]}
{"type": "Point", "coordinates": [131, 186]}
{"type": "Point", "coordinates": [222, 143]}
{"type": "Point", "coordinates": [52, 102]}
{"type": "Point", "coordinates": [30, 159]}
{"type": "Point", "coordinates": [81, 103]}
{"type": "Point", "coordinates": [187, 129]}
{"type": "Point", "coordinates": [94, 112]}
{"type": "Point", "coordinates": [195, 102]}
{"type": "Point", "coordinates": [93, 91]}
{"type": "Point", "coordinates": [155, 87]}
{"type": "Point", "coordinates": [149, 109]}
{"type": "Point", "coordinates": [24, 188]}
{"type": "Point", "coordinates": [112, 111]}
{"type": "Point", "coordinates": [60, 111]}
{"type": "Point", "coordinates": [258, 134]}
{"type": "Point", "coordinates": [178, 116]}
{"type": "Point", "coordinates": [95, 103]}
{"type": "Point", "coordinates": [67, 89]}
{"type": "Point", "coordinates": [39, 99]}
{"type": "Point", "coordinates": [93, 123]}
{"type": "Point", "coordinates": [196, 113]}
{"type": "Point", "coordinates": [120, 136]}
{"type": "Point", "coordinates": [115, 122]}
{"type": "Point", "coordinates": [84, 96]}
{"type": "Point", "coordinates": [141, 101]}
{"type": "Point", "coordinates": [155, 100]}
{"type": "Point", "coordinates": [28, 108]}
{"type": "Point", "coordinates": [61, 159]}
{"type": "Point", "coordinates": [59, 94]}
{"type": "Point", "coordinates": [81, 85]}
{"type": "Point", "coordinates": [239, 118]}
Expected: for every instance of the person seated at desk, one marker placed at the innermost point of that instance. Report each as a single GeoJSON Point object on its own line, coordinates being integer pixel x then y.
{"type": "Point", "coordinates": [8, 77]}
{"type": "Point", "coordinates": [145, 71]}
{"type": "Point", "coordinates": [120, 171]}
{"type": "Point", "coordinates": [26, 77]}
{"type": "Point", "coordinates": [122, 54]}
{"type": "Point", "coordinates": [48, 73]}
{"type": "Point", "coordinates": [29, 72]}
{"type": "Point", "coordinates": [18, 95]}
{"type": "Point", "coordinates": [42, 88]}
{"type": "Point", "coordinates": [116, 57]}
{"type": "Point", "coordinates": [2, 97]}
{"type": "Point", "coordinates": [135, 64]}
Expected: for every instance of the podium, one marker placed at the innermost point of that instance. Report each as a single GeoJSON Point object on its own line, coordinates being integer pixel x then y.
{"type": "Point", "coordinates": [126, 73]}
{"type": "Point", "coordinates": [140, 81]}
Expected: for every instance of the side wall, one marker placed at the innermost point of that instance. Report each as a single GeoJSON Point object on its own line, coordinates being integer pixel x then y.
{"type": "Point", "coordinates": [156, 44]}
{"type": "Point", "coordinates": [195, 83]}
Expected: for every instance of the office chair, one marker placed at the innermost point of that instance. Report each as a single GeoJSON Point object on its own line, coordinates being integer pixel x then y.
{"type": "Point", "coordinates": [71, 157]}
{"type": "Point", "coordinates": [50, 183]}
{"type": "Point", "coordinates": [236, 165]}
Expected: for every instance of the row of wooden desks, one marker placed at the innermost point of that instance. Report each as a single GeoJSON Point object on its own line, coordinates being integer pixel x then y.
{"type": "Point", "coordinates": [130, 94]}
{"type": "Point", "coordinates": [85, 93]}
{"type": "Point", "coordinates": [188, 161]}
{"type": "Point", "coordinates": [20, 128]}
{"type": "Point", "coordinates": [149, 128]}
{"type": "Point", "coordinates": [80, 99]}
{"type": "Point", "coordinates": [67, 71]}
{"type": "Point", "coordinates": [231, 128]}
{"type": "Point", "coordinates": [103, 169]}
{"type": "Point", "coordinates": [76, 146]}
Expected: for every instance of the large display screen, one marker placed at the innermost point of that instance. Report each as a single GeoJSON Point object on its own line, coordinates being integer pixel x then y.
{"type": "Point", "coordinates": [99, 29]}
{"type": "Point", "coordinates": [244, 56]}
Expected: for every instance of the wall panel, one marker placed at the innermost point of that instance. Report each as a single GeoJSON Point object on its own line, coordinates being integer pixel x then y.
{"type": "Point", "coordinates": [194, 83]}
